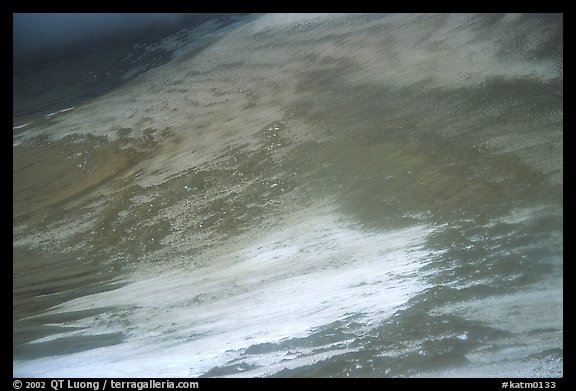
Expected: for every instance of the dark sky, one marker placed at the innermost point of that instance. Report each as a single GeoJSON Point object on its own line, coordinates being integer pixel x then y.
{"type": "Point", "coordinates": [35, 32]}
{"type": "Point", "coordinates": [61, 59]}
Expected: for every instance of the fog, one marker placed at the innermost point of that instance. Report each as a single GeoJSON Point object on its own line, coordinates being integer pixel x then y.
{"type": "Point", "coordinates": [275, 195]}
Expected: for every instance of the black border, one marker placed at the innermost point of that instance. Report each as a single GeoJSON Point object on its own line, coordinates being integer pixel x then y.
{"type": "Point", "coordinates": [11, 6]}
